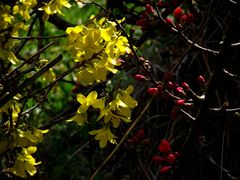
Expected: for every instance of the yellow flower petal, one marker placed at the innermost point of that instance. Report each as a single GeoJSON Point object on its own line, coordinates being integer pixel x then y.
{"type": "Point", "coordinates": [31, 149]}
{"type": "Point", "coordinates": [30, 168]}
{"type": "Point", "coordinates": [91, 98]}
{"type": "Point", "coordinates": [19, 169]}
{"type": "Point", "coordinates": [81, 99]}
{"type": "Point", "coordinates": [82, 109]}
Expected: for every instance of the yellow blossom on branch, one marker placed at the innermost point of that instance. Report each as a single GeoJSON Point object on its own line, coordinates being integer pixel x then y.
{"type": "Point", "coordinates": [25, 162]}
{"type": "Point", "coordinates": [53, 7]}
{"type": "Point", "coordinates": [99, 45]}
{"type": "Point", "coordinates": [28, 138]}
{"type": "Point", "coordinates": [80, 119]}
{"type": "Point", "coordinates": [103, 136]}
{"type": "Point", "coordinates": [90, 100]}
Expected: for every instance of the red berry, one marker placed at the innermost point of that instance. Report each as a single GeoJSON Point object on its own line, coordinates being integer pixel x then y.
{"type": "Point", "coordinates": [171, 158]}
{"type": "Point", "coordinates": [158, 159]}
{"type": "Point", "coordinates": [185, 86]}
{"type": "Point", "coordinates": [170, 85]}
{"type": "Point", "coordinates": [160, 4]}
{"type": "Point", "coordinates": [164, 146]}
{"type": "Point", "coordinates": [176, 154]}
{"type": "Point", "coordinates": [149, 9]}
{"type": "Point", "coordinates": [169, 22]}
{"type": "Point", "coordinates": [190, 18]}
{"type": "Point", "coordinates": [152, 91]}
{"type": "Point", "coordinates": [201, 80]}
{"type": "Point", "coordinates": [140, 134]}
{"type": "Point", "coordinates": [164, 169]}
{"type": "Point", "coordinates": [178, 12]}
{"type": "Point", "coordinates": [180, 102]}
{"type": "Point", "coordinates": [141, 22]}
{"type": "Point", "coordinates": [140, 77]}
{"type": "Point", "coordinates": [180, 90]}
{"type": "Point", "coordinates": [184, 18]}
{"type": "Point", "coordinates": [146, 142]}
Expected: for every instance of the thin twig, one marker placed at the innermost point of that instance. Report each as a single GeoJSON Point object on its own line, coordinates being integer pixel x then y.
{"type": "Point", "coordinates": [30, 59]}
{"type": "Point", "coordinates": [188, 115]}
{"type": "Point", "coordinates": [224, 110]}
{"type": "Point", "coordinates": [39, 37]}
{"type": "Point", "coordinates": [222, 153]}
{"type": "Point", "coordinates": [30, 80]}
{"type": "Point", "coordinates": [39, 103]}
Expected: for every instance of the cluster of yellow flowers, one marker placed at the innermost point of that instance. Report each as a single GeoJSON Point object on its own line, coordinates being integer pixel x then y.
{"type": "Point", "coordinates": [27, 140]}
{"type": "Point", "coordinates": [23, 7]}
{"type": "Point", "coordinates": [25, 162]}
{"type": "Point", "coordinates": [8, 23]}
{"type": "Point", "coordinates": [98, 47]}
{"type": "Point", "coordinates": [53, 7]}
{"type": "Point", "coordinates": [12, 20]}
{"type": "Point", "coordinates": [111, 113]}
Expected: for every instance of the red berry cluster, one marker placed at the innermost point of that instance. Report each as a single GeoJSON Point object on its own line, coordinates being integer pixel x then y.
{"type": "Point", "coordinates": [167, 158]}
{"type": "Point", "coordinates": [182, 17]}
{"type": "Point", "coordinates": [145, 17]}
{"type": "Point", "coordinates": [201, 80]}
{"type": "Point", "coordinates": [139, 138]}
{"type": "Point", "coordinates": [180, 92]}
{"type": "Point", "coordinates": [176, 12]}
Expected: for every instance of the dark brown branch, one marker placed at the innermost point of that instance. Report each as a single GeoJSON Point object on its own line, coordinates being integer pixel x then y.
{"type": "Point", "coordinates": [59, 22]}
{"type": "Point", "coordinates": [29, 81]}
{"type": "Point", "coordinates": [65, 115]}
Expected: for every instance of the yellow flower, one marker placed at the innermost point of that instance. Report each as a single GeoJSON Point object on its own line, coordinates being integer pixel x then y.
{"type": "Point", "coordinates": [103, 136]}
{"type": "Point", "coordinates": [53, 7]}
{"type": "Point", "coordinates": [90, 100]}
{"type": "Point", "coordinates": [123, 99]}
{"type": "Point", "coordinates": [25, 162]}
{"type": "Point", "coordinates": [80, 119]}
{"type": "Point", "coordinates": [86, 101]}
{"type": "Point", "coordinates": [119, 108]}
{"type": "Point", "coordinates": [13, 108]}
{"type": "Point", "coordinates": [127, 99]}
{"type": "Point", "coordinates": [28, 138]}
